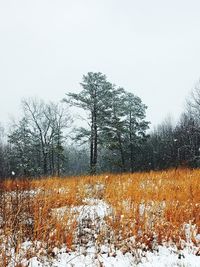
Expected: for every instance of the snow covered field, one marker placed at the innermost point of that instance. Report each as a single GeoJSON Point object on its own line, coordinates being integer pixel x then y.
{"type": "Point", "coordinates": [132, 220]}
{"type": "Point", "coordinates": [90, 218]}
{"type": "Point", "coordinates": [164, 257]}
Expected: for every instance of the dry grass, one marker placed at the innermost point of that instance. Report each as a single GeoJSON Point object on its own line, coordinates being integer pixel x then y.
{"type": "Point", "coordinates": [153, 207]}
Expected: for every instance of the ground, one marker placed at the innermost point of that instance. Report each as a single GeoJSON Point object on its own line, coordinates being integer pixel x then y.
{"type": "Point", "coordinates": [141, 219]}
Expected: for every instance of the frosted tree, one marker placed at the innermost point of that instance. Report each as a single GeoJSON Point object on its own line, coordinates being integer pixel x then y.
{"type": "Point", "coordinates": [38, 140]}
{"type": "Point", "coordinates": [95, 100]}
{"type": "Point", "coordinates": [114, 128]}
{"type": "Point", "coordinates": [126, 127]}
{"type": "Point", "coordinates": [22, 158]}
{"type": "Point", "coordinates": [136, 125]}
{"type": "Point", "coordinates": [4, 154]}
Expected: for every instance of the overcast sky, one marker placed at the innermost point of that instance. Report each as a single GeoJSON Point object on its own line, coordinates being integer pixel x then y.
{"type": "Point", "coordinates": [149, 47]}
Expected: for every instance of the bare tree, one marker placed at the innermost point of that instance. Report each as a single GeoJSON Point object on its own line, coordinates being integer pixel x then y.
{"type": "Point", "coordinates": [46, 123]}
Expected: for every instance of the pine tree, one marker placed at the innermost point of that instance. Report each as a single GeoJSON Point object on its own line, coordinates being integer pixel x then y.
{"type": "Point", "coordinates": [94, 99]}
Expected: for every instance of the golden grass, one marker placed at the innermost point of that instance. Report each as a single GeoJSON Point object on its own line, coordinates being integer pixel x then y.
{"type": "Point", "coordinates": [144, 205]}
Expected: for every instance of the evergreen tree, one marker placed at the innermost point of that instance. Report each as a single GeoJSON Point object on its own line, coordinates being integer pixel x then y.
{"type": "Point", "coordinates": [94, 99]}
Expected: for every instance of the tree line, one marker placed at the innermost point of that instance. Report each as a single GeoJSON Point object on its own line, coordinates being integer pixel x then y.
{"type": "Point", "coordinates": [113, 135]}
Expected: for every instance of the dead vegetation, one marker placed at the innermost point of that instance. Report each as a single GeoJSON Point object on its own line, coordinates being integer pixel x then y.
{"type": "Point", "coordinates": [146, 210]}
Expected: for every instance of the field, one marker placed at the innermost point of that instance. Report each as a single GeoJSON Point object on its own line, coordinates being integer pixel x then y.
{"type": "Point", "coordinates": [141, 219]}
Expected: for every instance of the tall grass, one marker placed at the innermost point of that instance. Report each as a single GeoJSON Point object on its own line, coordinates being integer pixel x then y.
{"type": "Point", "coordinates": [153, 207]}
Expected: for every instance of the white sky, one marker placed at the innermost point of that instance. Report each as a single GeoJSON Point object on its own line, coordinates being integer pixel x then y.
{"type": "Point", "coordinates": [151, 48]}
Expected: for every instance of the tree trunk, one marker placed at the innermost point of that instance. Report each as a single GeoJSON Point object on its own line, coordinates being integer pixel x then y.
{"type": "Point", "coordinates": [58, 156]}
{"type": "Point", "coordinates": [95, 142]}
{"type": "Point", "coordinates": [45, 163]}
{"type": "Point", "coordinates": [94, 137]}
{"type": "Point", "coordinates": [52, 161]}
{"type": "Point", "coordinates": [92, 146]}
{"type": "Point", "coordinates": [131, 142]}
{"type": "Point", "coordinates": [121, 152]}
{"type": "Point", "coordinates": [131, 157]}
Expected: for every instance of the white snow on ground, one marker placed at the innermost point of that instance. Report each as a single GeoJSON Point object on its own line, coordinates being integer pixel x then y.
{"type": "Point", "coordinates": [92, 209]}
{"type": "Point", "coordinates": [90, 255]}
{"type": "Point", "coordinates": [165, 257]}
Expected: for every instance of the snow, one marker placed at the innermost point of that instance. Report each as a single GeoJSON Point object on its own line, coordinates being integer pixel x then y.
{"type": "Point", "coordinates": [92, 209]}
{"type": "Point", "coordinates": [165, 257]}
{"type": "Point", "coordinates": [90, 217]}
